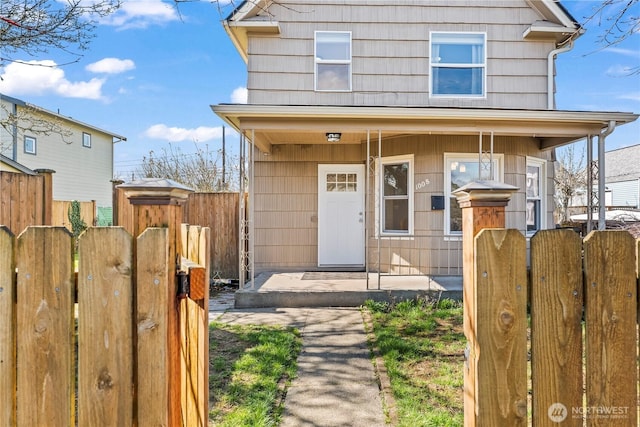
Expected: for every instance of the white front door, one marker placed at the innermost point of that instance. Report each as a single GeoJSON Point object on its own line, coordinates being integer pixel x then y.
{"type": "Point", "coordinates": [341, 236]}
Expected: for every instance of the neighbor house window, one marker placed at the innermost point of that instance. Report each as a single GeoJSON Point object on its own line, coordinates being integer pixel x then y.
{"type": "Point", "coordinates": [535, 191]}
{"type": "Point", "coordinates": [396, 195]}
{"type": "Point", "coordinates": [29, 145]}
{"type": "Point", "coordinates": [458, 64]}
{"type": "Point", "coordinates": [86, 139]}
{"type": "Point", "coordinates": [461, 169]}
{"type": "Point", "coordinates": [333, 61]}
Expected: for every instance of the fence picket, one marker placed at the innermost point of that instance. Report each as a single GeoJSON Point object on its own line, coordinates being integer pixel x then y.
{"type": "Point", "coordinates": [105, 344]}
{"type": "Point", "coordinates": [7, 328]}
{"type": "Point", "coordinates": [611, 297]}
{"type": "Point", "coordinates": [501, 327]}
{"type": "Point", "coordinates": [194, 322]}
{"type": "Point", "coordinates": [556, 326]}
{"type": "Point", "coordinates": [153, 292]}
{"type": "Point", "coordinates": [45, 313]}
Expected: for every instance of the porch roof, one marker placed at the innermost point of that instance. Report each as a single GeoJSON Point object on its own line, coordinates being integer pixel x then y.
{"type": "Point", "coordinates": [267, 125]}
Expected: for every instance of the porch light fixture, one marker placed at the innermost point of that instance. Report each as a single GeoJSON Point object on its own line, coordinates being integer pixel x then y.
{"type": "Point", "coordinates": [333, 136]}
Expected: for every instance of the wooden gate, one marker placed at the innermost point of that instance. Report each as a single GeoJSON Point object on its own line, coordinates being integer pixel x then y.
{"type": "Point", "coordinates": [105, 359]}
{"type": "Point", "coordinates": [580, 292]}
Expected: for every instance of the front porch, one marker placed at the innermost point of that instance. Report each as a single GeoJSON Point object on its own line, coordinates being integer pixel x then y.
{"type": "Point", "coordinates": [341, 289]}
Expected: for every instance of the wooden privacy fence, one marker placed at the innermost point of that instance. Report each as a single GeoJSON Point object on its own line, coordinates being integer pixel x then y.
{"type": "Point", "coordinates": [117, 370]}
{"type": "Point", "coordinates": [218, 211]}
{"type": "Point", "coordinates": [580, 292]}
{"type": "Point", "coordinates": [26, 199]}
{"type": "Point", "coordinates": [60, 213]}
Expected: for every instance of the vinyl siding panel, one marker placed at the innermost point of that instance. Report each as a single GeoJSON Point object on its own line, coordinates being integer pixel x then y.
{"type": "Point", "coordinates": [286, 228]}
{"type": "Point", "coordinates": [81, 173]}
{"type": "Point", "coordinates": [625, 193]}
{"type": "Point", "coordinates": [390, 53]}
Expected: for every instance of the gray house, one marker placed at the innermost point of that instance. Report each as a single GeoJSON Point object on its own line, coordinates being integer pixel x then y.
{"type": "Point", "coordinates": [622, 171]}
{"type": "Point", "coordinates": [363, 117]}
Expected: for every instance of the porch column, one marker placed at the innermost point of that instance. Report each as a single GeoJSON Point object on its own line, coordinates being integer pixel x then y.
{"type": "Point", "coordinates": [483, 206]}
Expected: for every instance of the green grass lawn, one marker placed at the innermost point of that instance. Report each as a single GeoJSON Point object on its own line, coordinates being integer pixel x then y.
{"type": "Point", "coordinates": [422, 344]}
{"type": "Point", "coordinates": [250, 368]}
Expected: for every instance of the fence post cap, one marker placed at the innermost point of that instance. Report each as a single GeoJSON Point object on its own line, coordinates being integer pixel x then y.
{"type": "Point", "coordinates": [155, 191]}
{"type": "Point", "coordinates": [485, 191]}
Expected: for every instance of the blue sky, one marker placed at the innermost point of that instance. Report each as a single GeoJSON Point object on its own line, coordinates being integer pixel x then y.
{"type": "Point", "coordinates": [152, 72]}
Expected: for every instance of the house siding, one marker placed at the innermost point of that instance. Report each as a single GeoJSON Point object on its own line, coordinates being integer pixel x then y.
{"type": "Point", "coordinates": [286, 196]}
{"type": "Point", "coordinates": [390, 53]}
{"type": "Point", "coordinates": [81, 173]}
{"type": "Point", "coordinates": [625, 193]}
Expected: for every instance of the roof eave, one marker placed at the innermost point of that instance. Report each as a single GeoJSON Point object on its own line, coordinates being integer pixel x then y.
{"type": "Point", "coordinates": [115, 136]}
{"type": "Point", "coordinates": [551, 128]}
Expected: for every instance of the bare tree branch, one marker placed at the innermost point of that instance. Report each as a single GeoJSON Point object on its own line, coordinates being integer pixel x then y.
{"type": "Point", "coordinates": [570, 176]}
{"type": "Point", "coordinates": [200, 170]}
{"type": "Point", "coordinates": [28, 120]}
{"type": "Point", "coordinates": [37, 26]}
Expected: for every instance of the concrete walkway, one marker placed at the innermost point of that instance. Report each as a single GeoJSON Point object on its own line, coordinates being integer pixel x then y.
{"type": "Point", "coordinates": [336, 383]}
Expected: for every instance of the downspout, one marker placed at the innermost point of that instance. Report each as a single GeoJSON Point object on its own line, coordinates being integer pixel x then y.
{"type": "Point", "coordinates": [550, 72]}
{"type": "Point", "coordinates": [602, 208]}
{"type": "Point", "coordinates": [14, 130]}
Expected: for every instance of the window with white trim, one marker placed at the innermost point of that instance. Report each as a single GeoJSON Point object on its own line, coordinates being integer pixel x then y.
{"type": "Point", "coordinates": [86, 139]}
{"type": "Point", "coordinates": [333, 61]}
{"type": "Point", "coordinates": [29, 145]}
{"type": "Point", "coordinates": [458, 64]}
{"type": "Point", "coordinates": [396, 195]}
{"type": "Point", "coordinates": [461, 169]}
{"type": "Point", "coordinates": [535, 191]}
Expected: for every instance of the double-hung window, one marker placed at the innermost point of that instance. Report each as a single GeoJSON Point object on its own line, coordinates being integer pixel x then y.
{"type": "Point", "coordinates": [458, 64]}
{"type": "Point", "coordinates": [396, 195]}
{"type": "Point", "coordinates": [461, 169]}
{"type": "Point", "coordinates": [333, 61]}
{"type": "Point", "coordinates": [535, 190]}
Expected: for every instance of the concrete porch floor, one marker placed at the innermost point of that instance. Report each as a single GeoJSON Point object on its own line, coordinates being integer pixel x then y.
{"type": "Point", "coordinates": [341, 289]}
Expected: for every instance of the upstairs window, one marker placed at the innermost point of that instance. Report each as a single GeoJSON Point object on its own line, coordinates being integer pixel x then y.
{"type": "Point", "coordinates": [458, 64]}
{"type": "Point", "coordinates": [29, 145]}
{"type": "Point", "coordinates": [333, 61]}
{"type": "Point", "coordinates": [86, 139]}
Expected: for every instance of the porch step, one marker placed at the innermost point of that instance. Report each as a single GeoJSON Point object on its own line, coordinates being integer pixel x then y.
{"type": "Point", "coordinates": [315, 298]}
{"type": "Point", "coordinates": [341, 289]}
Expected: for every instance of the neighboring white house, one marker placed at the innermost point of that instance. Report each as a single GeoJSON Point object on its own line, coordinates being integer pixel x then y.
{"type": "Point", "coordinates": [622, 171]}
{"type": "Point", "coordinates": [80, 154]}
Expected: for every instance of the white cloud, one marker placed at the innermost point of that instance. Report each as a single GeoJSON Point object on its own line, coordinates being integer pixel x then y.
{"type": "Point", "coordinates": [45, 77]}
{"type": "Point", "coordinates": [239, 95]}
{"type": "Point", "coordinates": [111, 66]}
{"type": "Point", "coordinates": [632, 96]}
{"type": "Point", "coordinates": [626, 52]}
{"type": "Point", "coordinates": [142, 14]}
{"type": "Point", "coordinates": [619, 71]}
{"type": "Point", "coordinates": [175, 134]}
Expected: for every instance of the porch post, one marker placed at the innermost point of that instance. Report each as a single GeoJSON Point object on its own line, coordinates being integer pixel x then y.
{"type": "Point", "coordinates": [380, 192]}
{"type": "Point", "coordinates": [366, 208]}
{"type": "Point", "coordinates": [483, 206]}
{"type": "Point", "coordinates": [244, 217]}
